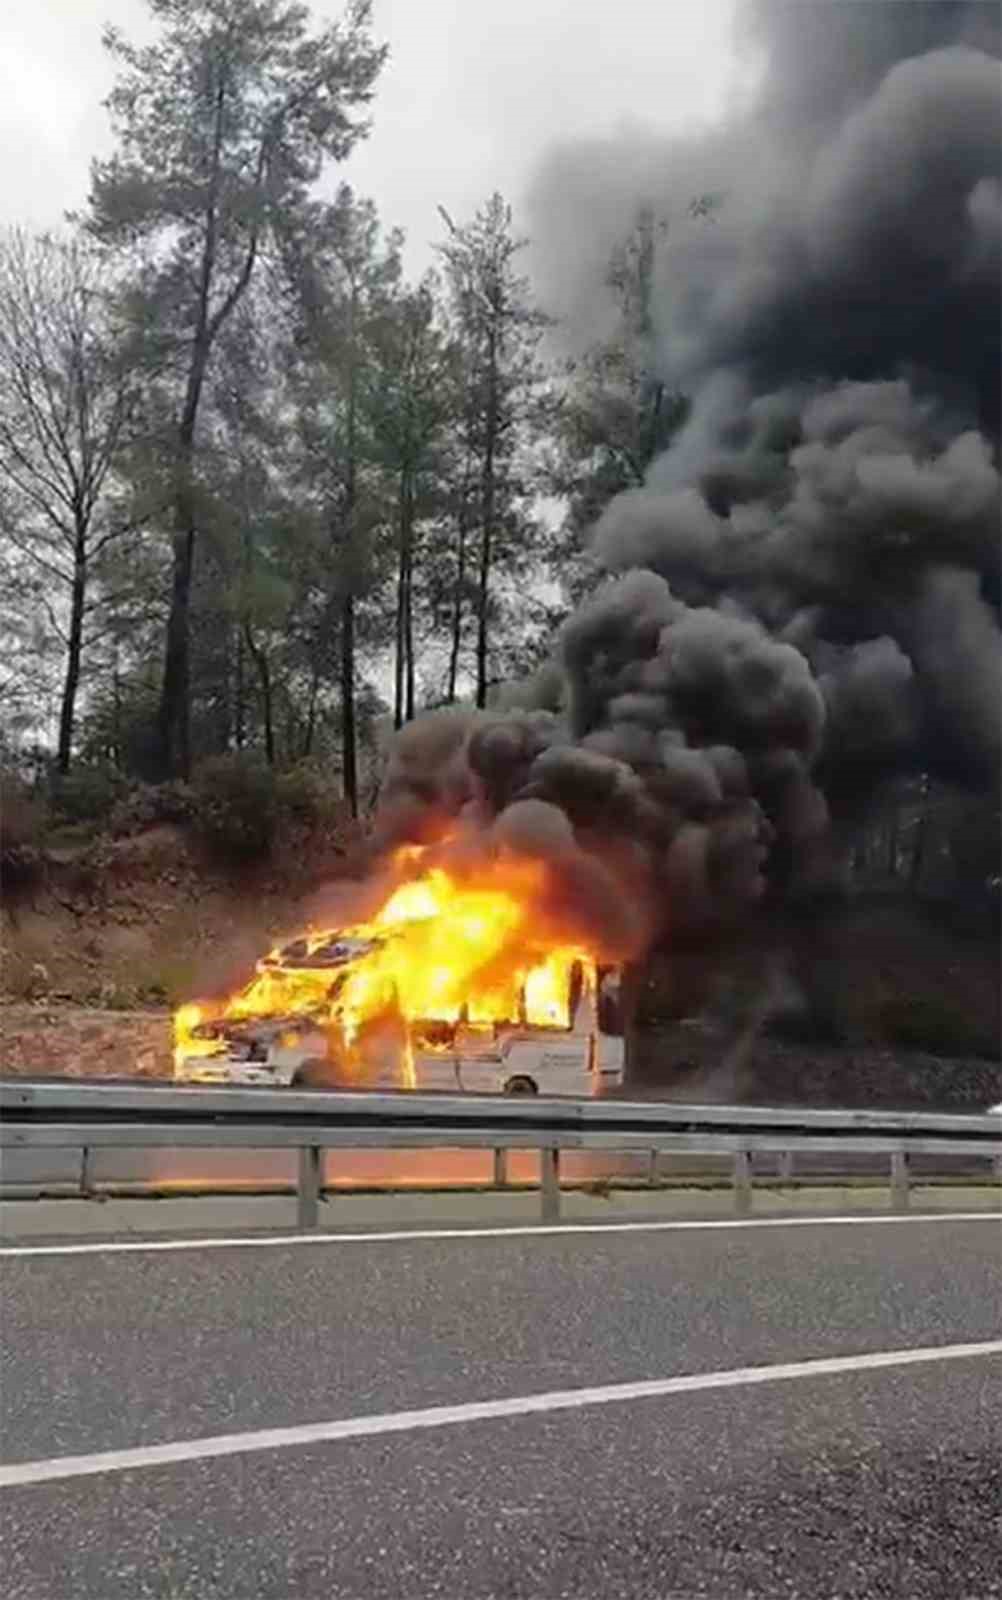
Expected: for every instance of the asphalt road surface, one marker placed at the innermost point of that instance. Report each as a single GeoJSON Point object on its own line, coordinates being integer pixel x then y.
{"type": "Point", "coordinates": [756, 1409]}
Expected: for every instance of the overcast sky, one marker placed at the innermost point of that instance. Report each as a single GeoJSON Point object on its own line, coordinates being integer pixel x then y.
{"type": "Point", "coordinates": [472, 96]}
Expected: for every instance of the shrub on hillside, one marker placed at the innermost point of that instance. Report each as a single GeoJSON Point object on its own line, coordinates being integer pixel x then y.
{"type": "Point", "coordinates": [87, 793]}
{"type": "Point", "coordinates": [236, 808]}
{"type": "Point", "coordinates": [22, 830]}
{"type": "Point", "coordinates": [305, 796]}
{"type": "Point", "coordinates": [147, 805]}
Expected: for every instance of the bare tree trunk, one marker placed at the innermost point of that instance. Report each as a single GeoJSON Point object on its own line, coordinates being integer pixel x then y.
{"type": "Point", "coordinates": [239, 709]}
{"type": "Point", "coordinates": [349, 754]}
{"type": "Point", "coordinates": [174, 720]}
{"type": "Point", "coordinates": [456, 640]}
{"type": "Point", "coordinates": [488, 491]}
{"type": "Point", "coordinates": [398, 650]}
{"type": "Point", "coordinates": [116, 712]}
{"type": "Point", "coordinates": [400, 641]}
{"type": "Point", "coordinates": [483, 598]}
{"type": "Point", "coordinates": [403, 686]}
{"type": "Point", "coordinates": [266, 705]}
{"type": "Point", "coordinates": [409, 610]}
{"type": "Point", "coordinates": [71, 682]}
{"type": "Point", "coordinates": [349, 744]}
{"type": "Point", "coordinates": [483, 594]}
{"type": "Point", "coordinates": [260, 660]}
{"type": "Point", "coordinates": [311, 714]}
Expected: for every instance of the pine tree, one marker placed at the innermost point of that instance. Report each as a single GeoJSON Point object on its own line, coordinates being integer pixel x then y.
{"type": "Point", "coordinates": [344, 275]}
{"type": "Point", "coordinates": [499, 330]}
{"type": "Point", "coordinates": [223, 125]}
{"type": "Point", "coordinates": [416, 398]}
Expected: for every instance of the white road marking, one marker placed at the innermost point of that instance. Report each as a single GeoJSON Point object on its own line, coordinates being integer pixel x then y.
{"type": "Point", "coordinates": [20, 1473]}
{"type": "Point", "coordinates": [528, 1231]}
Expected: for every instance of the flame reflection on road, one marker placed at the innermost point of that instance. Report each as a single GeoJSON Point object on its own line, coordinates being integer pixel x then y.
{"type": "Point", "coordinates": [350, 1169]}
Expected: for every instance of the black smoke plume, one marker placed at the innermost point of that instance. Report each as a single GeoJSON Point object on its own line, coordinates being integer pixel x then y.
{"type": "Point", "coordinates": [804, 595]}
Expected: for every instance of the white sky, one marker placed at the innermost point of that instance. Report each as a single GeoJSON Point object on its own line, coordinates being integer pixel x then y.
{"type": "Point", "coordinates": [471, 98]}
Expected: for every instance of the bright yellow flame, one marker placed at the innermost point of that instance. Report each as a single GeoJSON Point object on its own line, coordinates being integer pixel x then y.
{"type": "Point", "coordinates": [548, 987]}
{"type": "Point", "coordinates": [437, 951]}
{"type": "Point", "coordinates": [186, 1042]}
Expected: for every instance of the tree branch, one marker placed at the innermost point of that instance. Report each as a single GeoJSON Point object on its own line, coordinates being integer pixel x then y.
{"type": "Point", "coordinates": [41, 561]}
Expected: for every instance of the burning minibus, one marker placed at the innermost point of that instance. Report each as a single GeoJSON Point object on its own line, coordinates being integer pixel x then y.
{"type": "Point", "coordinates": [450, 985]}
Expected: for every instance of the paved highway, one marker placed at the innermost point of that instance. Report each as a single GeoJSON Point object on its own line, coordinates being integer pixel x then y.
{"type": "Point", "coordinates": [766, 1408]}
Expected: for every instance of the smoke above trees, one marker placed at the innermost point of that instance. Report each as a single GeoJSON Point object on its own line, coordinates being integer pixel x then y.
{"type": "Point", "coordinates": [802, 595]}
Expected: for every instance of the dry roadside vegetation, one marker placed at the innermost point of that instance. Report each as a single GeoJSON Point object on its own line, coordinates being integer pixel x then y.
{"type": "Point", "coordinates": [109, 922]}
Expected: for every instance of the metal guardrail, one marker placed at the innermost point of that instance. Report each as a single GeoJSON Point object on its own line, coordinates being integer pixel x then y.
{"type": "Point", "coordinates": [92, 1116]}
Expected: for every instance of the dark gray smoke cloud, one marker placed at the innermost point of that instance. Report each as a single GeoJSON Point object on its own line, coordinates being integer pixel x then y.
{"type": "Point", "coordinates": [803, 596]}
{"type": "Point", "coordinates": [857, 234]}
{"type": "Point", "coordinates": [837, 326]}
{"type": "Point", "coordinates": [825, 57]}
{"type": "Point", "coordinates": [851, 516]}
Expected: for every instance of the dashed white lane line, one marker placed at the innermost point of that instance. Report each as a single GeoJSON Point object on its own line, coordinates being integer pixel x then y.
{"type": "Point", "coordinates": [528, 1231]}
{"type": "Point", "coordinates": [20, 1474]}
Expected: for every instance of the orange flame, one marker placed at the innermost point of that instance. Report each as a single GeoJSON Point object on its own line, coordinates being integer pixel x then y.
{"type": "Point", "coordinates": [438, 951]}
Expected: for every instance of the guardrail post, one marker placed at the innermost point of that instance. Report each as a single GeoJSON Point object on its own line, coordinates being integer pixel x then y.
{"type": "Point", "coordinates": [549, 1184]}
{"type": "Point", "coordinates": [899, 1180]}
{"type": "Point", "coordinates": [501, 1169]}
{"type": "Point", "coordinates": [309, 1185]}
{"type": "Point", "coordinates": [742, 1182]}
{"type": "Point", "coordinates": [86, 1179]}
{"type": "Point", "coordinates": [786, 1166]}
